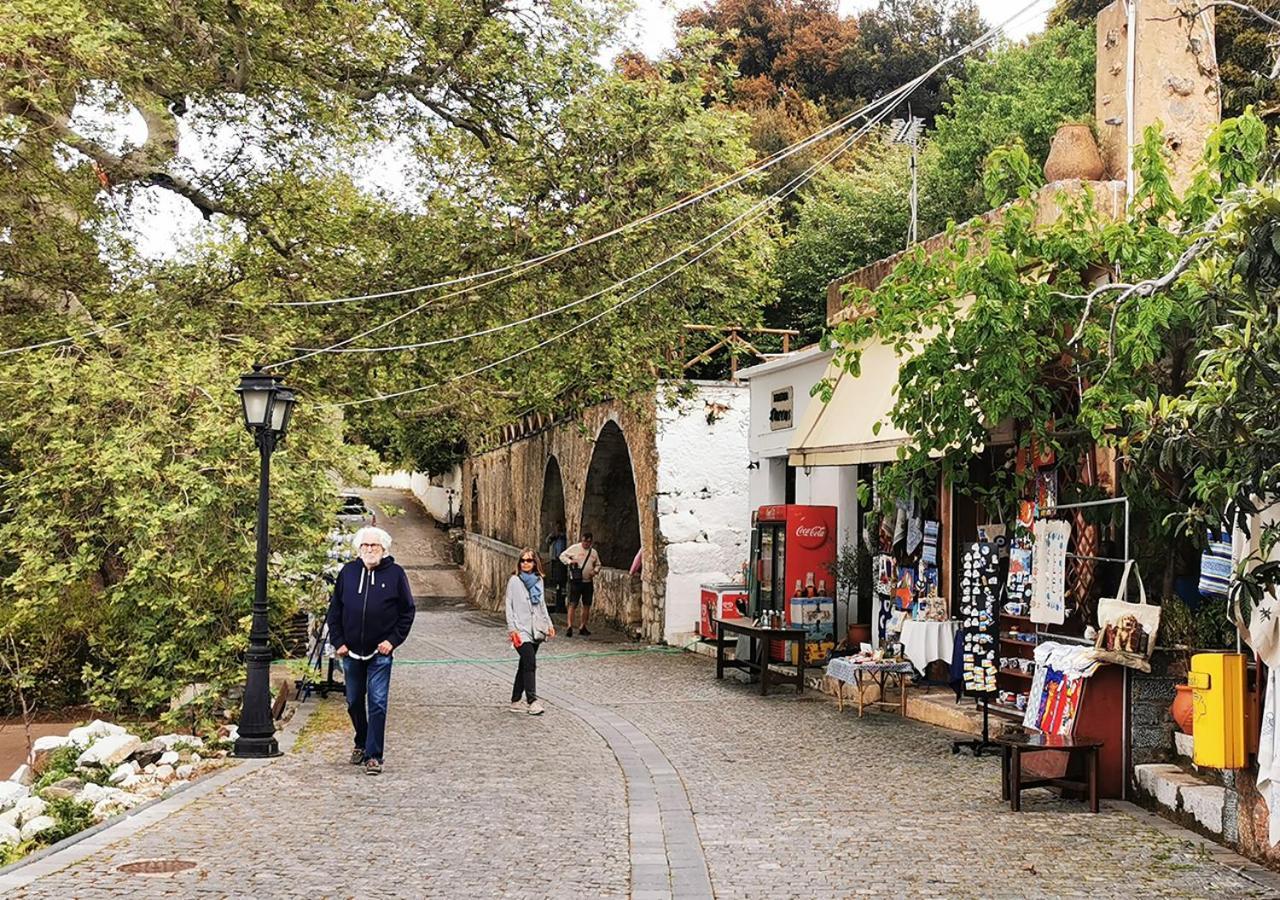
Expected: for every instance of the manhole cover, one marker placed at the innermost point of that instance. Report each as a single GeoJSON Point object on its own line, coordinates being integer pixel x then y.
{"type": "Point", "coordinates": [156, 866]}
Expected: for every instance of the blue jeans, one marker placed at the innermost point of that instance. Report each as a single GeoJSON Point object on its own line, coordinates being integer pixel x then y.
{"type": "Point", "coordinates": [368, 679]}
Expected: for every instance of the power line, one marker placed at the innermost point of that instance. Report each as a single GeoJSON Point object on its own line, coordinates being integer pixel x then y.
{"type": "Point", "coordinates": [748, 217]}
{"type": "Point", "coordinates": [514, 269]}
{"type": "Point", "coordinates": [884, 104]}
{"type": "Point", "coordinates": [67, 340]}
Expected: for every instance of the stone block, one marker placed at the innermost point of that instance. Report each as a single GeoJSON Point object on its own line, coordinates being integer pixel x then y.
{"type": "Point", "coordinates": [61, 790]}
{"type": "Point", "coordinates": [1205, 802]}
{"type": "Point", "coordinates": [9, 835]}
{"type": "Point", "coordinates": [11, 792]}
{"type": "Point", "coordinates": [1183, 743]}
{"type": "Point", "coordinates": [109, 751]}
{"type": "Point", "coordinates": [23, 775]}
{"type": "Point", "coordinates": [123, 771]}
{"type": "Point", "coordinates": [1148, 775]}
{"type": "Point", "coordinates": [38, 826]}
{"type": "Point", "coordinates": [168, 758]}
{"type": "Point", "coordinates": [43, 746]}
{"type": "Point", "coordinates": [87, 734]}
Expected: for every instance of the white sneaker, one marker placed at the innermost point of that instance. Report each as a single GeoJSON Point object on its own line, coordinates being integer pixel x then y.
{"type": "Point", "coordinates": [535, 708]}
{"type": "Point", "coordinates": [517, 706]}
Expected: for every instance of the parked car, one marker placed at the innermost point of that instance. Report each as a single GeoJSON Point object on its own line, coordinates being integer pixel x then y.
{"type": "Point", "coordinates": [354, 513]}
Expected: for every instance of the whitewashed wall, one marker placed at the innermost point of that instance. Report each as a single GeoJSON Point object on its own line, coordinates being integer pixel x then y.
{"type": "Point", "coordinates": [431, 490]}
{"type": "Point", "coordinates": [703, 514]}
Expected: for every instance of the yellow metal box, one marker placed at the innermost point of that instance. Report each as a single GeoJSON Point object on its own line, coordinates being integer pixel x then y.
{"type": "Point", "coordinates": [1218, 693]}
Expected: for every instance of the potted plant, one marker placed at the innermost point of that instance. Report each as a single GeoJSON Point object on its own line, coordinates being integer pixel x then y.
{"type": "Point", "coordinates": [851, 574]}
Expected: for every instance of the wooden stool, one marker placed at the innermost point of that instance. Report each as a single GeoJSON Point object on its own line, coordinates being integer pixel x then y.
{"type": "Point", "coordinates": [1013, 747]}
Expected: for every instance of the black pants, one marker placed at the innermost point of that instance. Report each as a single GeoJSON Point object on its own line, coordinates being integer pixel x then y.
{"type": "Point", "coordinates": [527, 672]}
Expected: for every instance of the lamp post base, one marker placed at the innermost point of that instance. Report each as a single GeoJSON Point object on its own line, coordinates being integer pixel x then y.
{"type": "Point", "coordinates": [256, 747]}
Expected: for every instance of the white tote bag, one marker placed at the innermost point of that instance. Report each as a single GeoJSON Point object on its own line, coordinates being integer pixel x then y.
{"type": "Point", "coordinates": [1128, 629]}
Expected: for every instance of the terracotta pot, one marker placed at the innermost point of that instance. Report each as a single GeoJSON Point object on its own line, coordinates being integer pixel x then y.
{"type": "Point", "coordinates": [1073, 153]}
{"type": "Point", "coordinates": [1183, 709]}
{"type": "Point", "coordinates": [859, 634]}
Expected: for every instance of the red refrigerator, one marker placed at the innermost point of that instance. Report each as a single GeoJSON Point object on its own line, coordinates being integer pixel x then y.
{"type": "Point", "coordinates": [793, 552]}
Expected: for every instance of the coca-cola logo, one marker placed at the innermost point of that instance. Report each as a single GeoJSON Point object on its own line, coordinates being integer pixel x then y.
{"type": "Point", "coordinates": [811, 536]}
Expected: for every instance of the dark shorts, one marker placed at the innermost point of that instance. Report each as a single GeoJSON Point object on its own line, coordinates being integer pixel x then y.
{"type": "Point", "coordinates": [583, 592]}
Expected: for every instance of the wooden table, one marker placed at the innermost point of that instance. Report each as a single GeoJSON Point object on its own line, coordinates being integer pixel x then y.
{"type": "Point", "coordinates": [1012, 783]}
{"type": "Point", "coordinates": [863, 674]}
{"type": "Point", "coordinates": [758, 661]}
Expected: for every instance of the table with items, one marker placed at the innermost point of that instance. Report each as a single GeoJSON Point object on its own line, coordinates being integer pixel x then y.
{"type": "Point", "coordinates": [864, 671]}
{"type": "Point", "coordinates": [762, 636]}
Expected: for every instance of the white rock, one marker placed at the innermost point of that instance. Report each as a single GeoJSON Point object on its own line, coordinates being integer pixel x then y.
{"type": "Point", "coordinates": [92, 793]}
{"type": "Point", "coordinates": [10, 818]}
{"type": "Point", "coordinates": [123, 771]}
{"type": "Point", "coordinates": [195, 758]}
{"type": "Point", "coordinates": [191, 740]}
{"type": "Point", "coordinates": [11, 792]}
{"type": "Point", "coordinates": [109, 806]}
{"type": "Point", "coordinates": [184, 773]}
{"type": "Point", "coordinates": [169, 758]}
{"type": "Point", "coordinates": [109, 751]}
{"type": "Point", "coordinates": [164, 773]}
{"type": "Point", "coordinates": [133, 781]}
{"type": "Point", "coordinates": [37, 826]}
{"type": "Point", "coordinates": [28, 808]}
{"type": "Point", "coordinates": [43, 746]}
{"type": "Point", "coordinates": [150, 769]}
{"type": "Point", "coordinates": [9, 834]}
{"type": "Point", "coordinates": [23, 775]}
{"type": "Point", "coordinates": [87, 734]}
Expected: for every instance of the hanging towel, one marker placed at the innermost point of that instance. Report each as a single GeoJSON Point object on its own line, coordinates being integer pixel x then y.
{"type": "Point", "coordinates": [1049, 572]}
{"type": "Point", "coordinates": [929, 556]}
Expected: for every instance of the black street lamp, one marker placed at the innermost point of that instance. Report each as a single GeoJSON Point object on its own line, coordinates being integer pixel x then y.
{"type": "Point", "coordinates": [268, 407]}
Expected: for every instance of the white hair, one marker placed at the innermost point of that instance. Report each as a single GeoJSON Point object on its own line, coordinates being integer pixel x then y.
{"type": "Point", "coordinates": [368, 535]}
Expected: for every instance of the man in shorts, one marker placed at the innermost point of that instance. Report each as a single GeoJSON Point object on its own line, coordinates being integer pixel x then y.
{"type": "Point", "coordinates": [583, 561]}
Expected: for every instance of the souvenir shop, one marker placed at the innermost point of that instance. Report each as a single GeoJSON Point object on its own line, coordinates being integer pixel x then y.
{"type": "Point", "coordinates": [1017, 592]}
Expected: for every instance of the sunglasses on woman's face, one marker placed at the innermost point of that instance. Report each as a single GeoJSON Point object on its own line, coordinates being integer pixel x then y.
{"type": "Point", "coordinates": [526, 560]}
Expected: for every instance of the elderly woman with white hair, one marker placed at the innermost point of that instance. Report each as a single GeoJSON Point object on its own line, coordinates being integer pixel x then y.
{"type": "Point", "coordinates": [370, 615]}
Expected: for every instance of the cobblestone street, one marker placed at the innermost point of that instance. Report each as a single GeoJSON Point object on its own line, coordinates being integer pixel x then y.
{"type": "Point", "coordinates": [645, 778]}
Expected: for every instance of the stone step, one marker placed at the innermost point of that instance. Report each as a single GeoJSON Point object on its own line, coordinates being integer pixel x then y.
{"type": "Point", "coordinates": [1181, 792]}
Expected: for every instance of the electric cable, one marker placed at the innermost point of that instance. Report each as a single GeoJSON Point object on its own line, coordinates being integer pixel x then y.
{"type": "Point", "coordinates": [885, 103]}
{"type": "Point", "coordinates": [749, 216]}
{"type": "Point", "coordinates": [689, 200]}
{"type": "Point", "coordinates": [79, 337]}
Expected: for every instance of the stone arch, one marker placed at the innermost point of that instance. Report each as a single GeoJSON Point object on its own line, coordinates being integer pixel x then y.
{"type": "Point", "coordinates": [609, 508]}
{"type": "Point", "coordinates": [552, 517]}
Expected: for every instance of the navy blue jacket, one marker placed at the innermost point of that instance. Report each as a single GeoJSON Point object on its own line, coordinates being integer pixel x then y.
{"type": "Point", "coordinates": [368, 608]}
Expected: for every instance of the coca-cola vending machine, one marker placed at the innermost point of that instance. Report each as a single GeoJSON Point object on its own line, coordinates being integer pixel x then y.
{"type": "Point", "coordinates": [793, 553]}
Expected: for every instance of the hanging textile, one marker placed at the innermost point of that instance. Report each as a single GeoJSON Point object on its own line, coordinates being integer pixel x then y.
{"type": "Point", "coordinates": [1269, 756]}
{"type": "Point", "coordinates": [1049, 572]}
{"type": "Point", "coordinates": [929, 555]}
{"type": "Point", "coordinates": [1053, 701]}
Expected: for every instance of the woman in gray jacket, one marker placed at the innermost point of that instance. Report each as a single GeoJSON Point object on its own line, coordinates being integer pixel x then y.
{"type": "Point", "coordinates": [528, 625]}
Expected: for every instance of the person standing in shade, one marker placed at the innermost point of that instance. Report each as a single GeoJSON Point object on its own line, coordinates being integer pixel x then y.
{"type": "Point", "coordinates": [583, 561]}
{"type": "Point", "coordinates": [558, 573]}
{"type": "Point", "coordinates": [370, 614]}
{"type": "Point", "coordinates": [528, 625]}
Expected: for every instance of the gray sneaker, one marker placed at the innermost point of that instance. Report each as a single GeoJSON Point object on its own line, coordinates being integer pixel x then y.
{"type": "Point", "coordinates": [357, 756]}
{"type": "Point", "coordinates": [516, 706]}
{"type": "Point", "coordinates": [535, 708]}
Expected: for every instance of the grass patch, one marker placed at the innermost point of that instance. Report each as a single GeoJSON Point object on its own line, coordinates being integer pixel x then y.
{"type": "Point", "coordinates": [329, 717]}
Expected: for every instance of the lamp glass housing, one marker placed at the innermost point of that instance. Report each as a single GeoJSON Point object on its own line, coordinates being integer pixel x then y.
{"type": "Point", "coordinates": [256, 394]}
{"type": "Point", "coordinates": [282, 410]}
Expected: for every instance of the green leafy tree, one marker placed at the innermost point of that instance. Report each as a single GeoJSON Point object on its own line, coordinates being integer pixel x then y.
{"type": "Point", "coordinates": [1022, 91]}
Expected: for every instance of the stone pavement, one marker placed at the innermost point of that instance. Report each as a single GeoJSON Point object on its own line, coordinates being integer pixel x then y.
{"type": "Point", "coordinates": [645, 778]}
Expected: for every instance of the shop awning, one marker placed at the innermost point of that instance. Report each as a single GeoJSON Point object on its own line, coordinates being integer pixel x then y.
{"type": "Point", "coordinates": [841, 432]}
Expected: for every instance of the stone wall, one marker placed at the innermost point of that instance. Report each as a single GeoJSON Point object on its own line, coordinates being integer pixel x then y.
{"type": "Point", "coordinates": [1175, 82]}
{"type": "Point", "coordinates": [489, 564]}
{"type": "Point", "coordinates": [1151, 726]}
{"type": "Point", "coordinates": [503, 491]}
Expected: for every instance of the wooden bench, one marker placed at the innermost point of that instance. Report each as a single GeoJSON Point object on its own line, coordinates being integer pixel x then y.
{"type": "Point", "coordinates": [759, 657]}
{"type": "Point", "coordinates": [1012, 784]}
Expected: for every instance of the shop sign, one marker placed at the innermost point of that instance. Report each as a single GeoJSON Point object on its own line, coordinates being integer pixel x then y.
{"type": "Point", "coordinates": [780, 409]}
{"type": "Point", "coordinates": [810, 535]}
